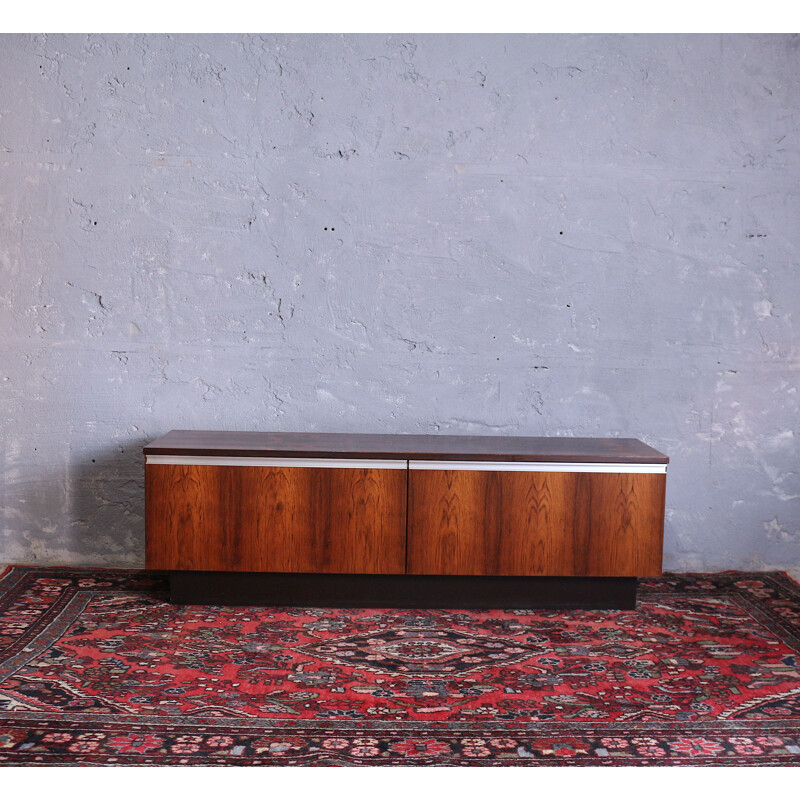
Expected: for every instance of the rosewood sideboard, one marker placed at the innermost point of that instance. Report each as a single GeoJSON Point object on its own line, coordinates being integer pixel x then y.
{"type": "Point", "coordinates": [403, 520]}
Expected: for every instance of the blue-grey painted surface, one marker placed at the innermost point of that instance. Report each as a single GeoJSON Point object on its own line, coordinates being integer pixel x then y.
{"type": "Point", "coordinates": [524, 235]}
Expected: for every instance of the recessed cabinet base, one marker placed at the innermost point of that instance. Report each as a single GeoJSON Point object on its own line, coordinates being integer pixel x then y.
{"type": "Point", "coordinates": [399, 591]}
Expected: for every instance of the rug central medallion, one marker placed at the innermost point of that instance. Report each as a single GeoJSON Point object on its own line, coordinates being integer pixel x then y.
{"type": "Point", "coordinates": [421, 652]}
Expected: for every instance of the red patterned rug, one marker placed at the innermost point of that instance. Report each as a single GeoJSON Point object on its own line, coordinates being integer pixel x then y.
{"type": "Point", "coordinates": [96, 667]}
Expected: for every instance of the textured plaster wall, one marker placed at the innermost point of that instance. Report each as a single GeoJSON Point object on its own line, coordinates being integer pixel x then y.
{"type": "Point", "coordinates": [531, 235]}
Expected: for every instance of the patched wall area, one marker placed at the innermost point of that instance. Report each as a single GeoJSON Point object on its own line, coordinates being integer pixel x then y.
{"type": "Point", "coordinates": [522, 235]}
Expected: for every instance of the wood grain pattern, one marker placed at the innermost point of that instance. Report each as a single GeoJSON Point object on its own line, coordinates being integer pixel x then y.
{"type": "Point", "coordinates": [534, 523]}
{"type": "Point", "coordinates": [626, 524]}
{"type": "Point", "coordinates": [403, 446]}
{"type": "Point", "coordinates": [292, 519]}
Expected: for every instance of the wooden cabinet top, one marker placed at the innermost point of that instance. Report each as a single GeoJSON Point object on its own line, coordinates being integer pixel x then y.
{"type": "Point", "coordinates": [404, 446]}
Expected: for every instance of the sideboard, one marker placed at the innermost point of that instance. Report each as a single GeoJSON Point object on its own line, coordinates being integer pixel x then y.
{"type": "Point", "coordinates": [403, 520]}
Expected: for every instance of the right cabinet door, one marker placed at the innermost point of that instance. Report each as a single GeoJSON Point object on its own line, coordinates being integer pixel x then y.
{"type": "Point", "coordinates": [499, 521]}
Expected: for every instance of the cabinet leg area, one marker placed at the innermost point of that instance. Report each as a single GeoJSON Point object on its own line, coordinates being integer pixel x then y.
{"type": "Point", "coordinates": [400, 591]}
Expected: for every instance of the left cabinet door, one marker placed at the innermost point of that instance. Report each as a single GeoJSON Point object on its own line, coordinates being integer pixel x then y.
{"type": "Point", "coordinates": [276, 518]}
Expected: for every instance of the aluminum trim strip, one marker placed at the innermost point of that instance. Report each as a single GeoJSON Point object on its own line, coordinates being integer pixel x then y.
{"type": "Point", "coordinates": [361, 463]}
{"type": "Point", "coordinates": [255, 461]}
{"type": "Point", "coordinates": [539, 466]}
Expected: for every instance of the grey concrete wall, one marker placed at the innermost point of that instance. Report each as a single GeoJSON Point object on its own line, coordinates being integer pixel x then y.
{"type": "Point", "coordinates": [530, 235]}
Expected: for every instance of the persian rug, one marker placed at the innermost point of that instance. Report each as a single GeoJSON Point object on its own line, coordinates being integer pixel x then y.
{"type": "Point", "coordinates": [98, 668]}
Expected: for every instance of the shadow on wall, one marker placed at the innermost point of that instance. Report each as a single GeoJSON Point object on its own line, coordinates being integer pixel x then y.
{"type": "Point", "coordinates": [670, 547]}
{"type": "Point", "coordinates": [106, 506]}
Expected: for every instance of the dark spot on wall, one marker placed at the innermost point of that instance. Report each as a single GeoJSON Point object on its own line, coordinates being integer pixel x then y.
{"type": "Point", "coordinates": [254, 277]}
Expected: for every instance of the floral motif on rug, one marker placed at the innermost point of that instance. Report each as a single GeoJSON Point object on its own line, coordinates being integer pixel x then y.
{"type": "Point", "coordinates": [97, 667]}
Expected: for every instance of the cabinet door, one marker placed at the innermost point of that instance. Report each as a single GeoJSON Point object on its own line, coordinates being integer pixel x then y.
{"type": "Point", "coordinates": [276, 518]}
{"type": "Point", "coordinates": [485, 521]}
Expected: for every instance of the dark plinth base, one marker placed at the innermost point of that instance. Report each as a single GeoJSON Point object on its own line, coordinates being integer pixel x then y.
{"type": "Point", "coordinates": [400, 591]}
